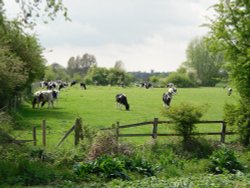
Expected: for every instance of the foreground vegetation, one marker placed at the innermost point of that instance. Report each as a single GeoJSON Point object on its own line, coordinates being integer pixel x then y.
{"type": "Point", "coordinates": [92, 164]}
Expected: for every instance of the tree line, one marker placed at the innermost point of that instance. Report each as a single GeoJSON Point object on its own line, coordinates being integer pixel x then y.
{"type": "Point", "coordinates": [201, 68]}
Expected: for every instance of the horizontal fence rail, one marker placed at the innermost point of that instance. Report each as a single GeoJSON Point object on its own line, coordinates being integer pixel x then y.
{"type": "Point", "coordinates": [155, 133]}
{"type": "Point", "coordinates": [78, 131]}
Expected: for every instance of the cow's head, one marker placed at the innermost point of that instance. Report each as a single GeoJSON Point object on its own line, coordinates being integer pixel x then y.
{"type": "Point", "coordinates": [127, 106]}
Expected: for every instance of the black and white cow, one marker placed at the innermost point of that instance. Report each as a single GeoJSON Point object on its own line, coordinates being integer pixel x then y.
{"type": "Point", "coordinates": [73, 83]}
{"type": "Point", "coordinates": [63, 85]}
{"type": "Point", "coordinates": [83, 85]}
{"type": "Point", "coordinates": [52, 85]}
{"type": "Point", "coordinates": [170, 85]}
{"type": "Point", "coordinates": [43, 84]}
{"type": "Point", "coordinates": [44, 96]}
{"type": "Point", "coordinates": [229, 91]}
{"type": "Point", "coordinates": [147, 85]}
{"type": "Point", "coordinates": [121, 99]}
{"type": "Point", "coordinates": [167, 97]}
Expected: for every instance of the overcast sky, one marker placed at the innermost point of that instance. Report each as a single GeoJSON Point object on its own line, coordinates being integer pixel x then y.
{"type": "Point", "coordinates": [145, 34]}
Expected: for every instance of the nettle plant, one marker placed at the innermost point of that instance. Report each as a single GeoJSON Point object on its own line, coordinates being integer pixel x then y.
{"type": "Point", "coordinates": [185, 116]}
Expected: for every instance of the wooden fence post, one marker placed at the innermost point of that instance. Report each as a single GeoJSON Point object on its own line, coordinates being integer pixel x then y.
{"type": "Point", "coordinates": [78, 131]}
{"type": "Point", "coordinates": [117, 131]}
{"type": "Point", "coordinates": [223, 132]}
{"type": "Point", "coordinates": [155, 127]}
{"type": "Point", "coordinates": [34, 135]}
{"type": "Point", "coordinates": [44, 132]}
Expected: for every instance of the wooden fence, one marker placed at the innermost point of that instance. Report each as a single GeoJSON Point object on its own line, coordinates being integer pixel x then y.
{"type": "Point", "coordinates": [77, 128]}
{"type": "Point", "coordinates": [155, 133]}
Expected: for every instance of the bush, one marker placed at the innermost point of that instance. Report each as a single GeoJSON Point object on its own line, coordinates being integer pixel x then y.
{"type": "Point", "coordinates": [179, 79]}
{"type": "Point", "coordinates": [185, 116]}
{"type": "Point", "coordinates": [26, 172]}
{"type": "Point", "coordinates": [105, 166]}
{"type": "Point", "coordinates": [109, 167]}
{"type": "Point", "coordinates": [239, 116]}
{"type": "Point", "coordinates": [223, 161]}
{"type": "Point", "coordinates": [105, 143]}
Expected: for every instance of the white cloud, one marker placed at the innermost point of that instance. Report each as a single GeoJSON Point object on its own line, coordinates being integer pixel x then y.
{"type": "Point", "coordinates": [144, 34]}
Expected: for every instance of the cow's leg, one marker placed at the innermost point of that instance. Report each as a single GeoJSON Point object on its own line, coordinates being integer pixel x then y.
{"type": "Point", "coordinates": [43, 103]}
{"type": "Point", "coordinates": [118, 105]}
{"type": "Point", "coordinates": [34, 102]}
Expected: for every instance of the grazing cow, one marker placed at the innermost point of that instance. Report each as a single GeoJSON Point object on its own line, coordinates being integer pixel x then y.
{"type": "Point", "coordinates": [148, 85]}
{"type": "Point", "coordinates": [51, 85]}
{"type": "Point", "coordinates": [167, 97]}
{"type": "Point", "coordinates": [121, 99]}
{"type": "Point", "coordinates": [142, 84]}
{"type": "Point", "coordinates": [72, 83]}
{"type": "Point", "coordinates": [62, 85]}
{"type": "Point", "coordinates": [170, 85]}
{"type": "Point", "coordinates": [172, 90]}
{"type": "Point", "coordinates": [229, 91]}
{"type": "Point", "coordinates": [43, 84]}
{"type": "Point", "coordinates": [45, 96]}
{"type": "Point", "coordinates": [83, 85]}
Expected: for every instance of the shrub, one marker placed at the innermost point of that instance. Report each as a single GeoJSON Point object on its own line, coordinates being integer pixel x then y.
{"type": "Point", "coordinates": [26, 172]}
{"type": "Point", "coordinates": [181, 80]}
{"type": "Point", "coordinates": [224, 160]}
{"type": "Point", "coordinates": [185, 116]}
{"type": "Point", "coordinates": [239, 116]}
{"type": "Point", "coordinates": [105, 166]}
{"type": "Point", "coordinates": [114, 167]}
{"type": "Point", "coordinates": [105, 143]}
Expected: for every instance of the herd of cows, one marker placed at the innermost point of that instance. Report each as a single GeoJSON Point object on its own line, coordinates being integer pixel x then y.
{"type": "Point", "coordinates": [53, 88]}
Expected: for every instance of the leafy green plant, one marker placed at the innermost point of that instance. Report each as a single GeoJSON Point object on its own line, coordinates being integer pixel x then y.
{"type": "Point", "coordinates": [224, 160]}
{"type": "Point", "coordinates": [26, 172]}
{"type": "Point", "coordinates": [239, 116]}
{"type": "Point", "coordinates": [114, 167]}
{"type": "Point", "coordinates": [139, 165]}
{"type": "Point", "coordinates": [105, 166]}
{"type": "Point", "coordinates": [203, 181]}
{"type": "Point", "coordinates": [185, 116]}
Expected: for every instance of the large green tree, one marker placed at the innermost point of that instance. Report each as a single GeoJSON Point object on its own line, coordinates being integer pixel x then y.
{"type": "Point", "coordinates": [230, 32]}
{"type": "Point", "coordinates": [81, 65]}
{"type": "Point", "coordinates": [12, 75]}
{"type": "Point", "coordinates": [56, 71]}
{"type": "Point", "coordinates": [205, 63]}
{"type": "Point", "coordinates": [97, 76]}
{"type": "Point", "coordinates": [21, 60]}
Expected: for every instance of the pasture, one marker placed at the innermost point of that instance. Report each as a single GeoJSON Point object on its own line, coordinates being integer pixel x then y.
{"type": "Point", "coordinates": [97, 108]}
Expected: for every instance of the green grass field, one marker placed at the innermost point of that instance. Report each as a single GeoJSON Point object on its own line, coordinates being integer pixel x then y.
{"type": "Point", "coordinates": [97, 108]}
